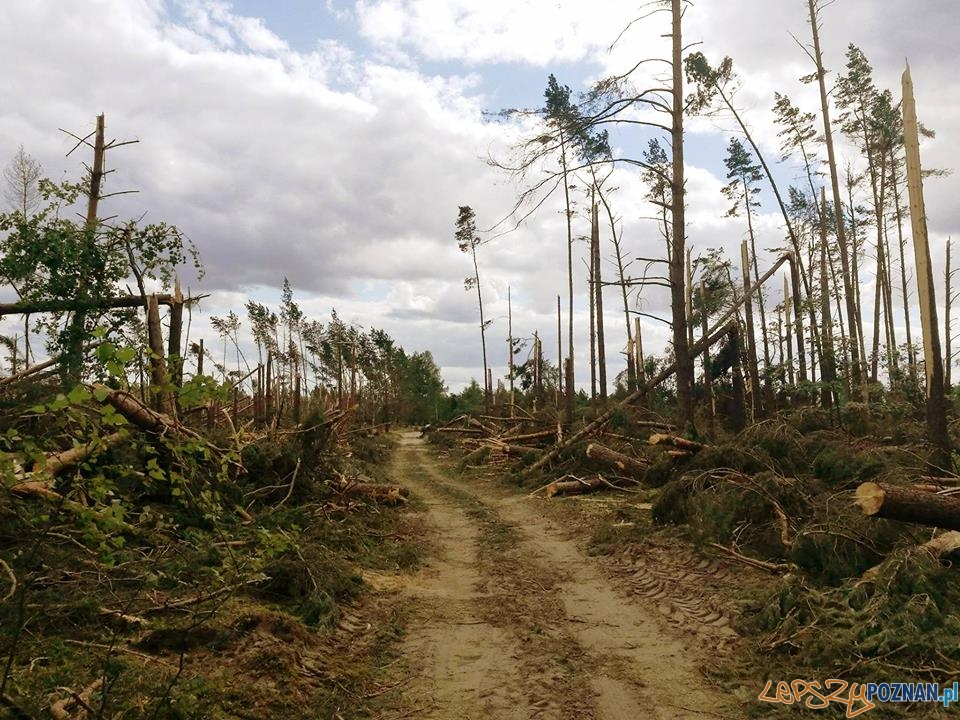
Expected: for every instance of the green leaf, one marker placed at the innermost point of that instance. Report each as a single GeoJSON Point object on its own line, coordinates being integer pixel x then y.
{"type": "Point", "coordinates": [79, 395]}
{"type": "Point", "coordinates": [126, 354]}
{"type": "Point", "coordinates": [101, 393]}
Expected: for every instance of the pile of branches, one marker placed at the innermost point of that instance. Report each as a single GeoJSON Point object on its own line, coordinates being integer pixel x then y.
{"type": "Point", "coordinates": [126, 533]}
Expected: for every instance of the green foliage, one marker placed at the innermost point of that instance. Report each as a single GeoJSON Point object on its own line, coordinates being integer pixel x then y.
{"type": "Point", "coordinates": [49, 256]}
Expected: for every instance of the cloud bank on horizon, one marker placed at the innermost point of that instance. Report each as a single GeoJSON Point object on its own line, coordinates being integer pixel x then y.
{"type": "Point", "coordinates": [332, 143]}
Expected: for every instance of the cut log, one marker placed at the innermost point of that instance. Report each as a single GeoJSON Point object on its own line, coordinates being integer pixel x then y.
{"type": "Point", "coordinates": [631, 467]}
{"type": "Point", "coordinates": [677, 442]}
{"type": "Point", "coordinates": [906, 505]}
{"type": "Point", "coordinates": [541, 435]}
{"type": "Point", "coordinates": [516, 450]}
{"type": "Point", "coordinates": [576, 486]}
{"type": "Point", "coordinates": [387, 494]}
{"type": "Point", "coordinates": [460, 430]}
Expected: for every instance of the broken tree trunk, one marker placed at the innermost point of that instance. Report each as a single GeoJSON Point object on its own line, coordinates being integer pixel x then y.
{"type": "Point", "coordinates": [175, 337]}
{"type": "Point", "coordinates": [109, 303]}
{"type": "Point", "coordinates": [632, 467]}
{"type": "Point", "coordinates": [158, 366]}
{"type": "Point", "coordinates": [139, 414]}
{"type": "Point", "coordinates": [906, 505]}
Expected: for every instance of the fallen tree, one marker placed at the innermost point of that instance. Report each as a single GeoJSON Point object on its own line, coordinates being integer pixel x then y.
{"type": "Point", "coordinates": [629, 466]}
{"type": "Point", "coordinates": [907, 505]}
{"type": "Point", "coordinates": [640, 392]}
{"type": "Point", "coordinates": [576, 486]}
{"type": "Point", "coordinates": [386, 494]}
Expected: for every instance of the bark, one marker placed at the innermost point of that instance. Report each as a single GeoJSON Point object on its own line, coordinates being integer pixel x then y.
{"type": "Point", "coordinates": [906, 505]}
{"type": "Point", "coordinates": [158, 365]}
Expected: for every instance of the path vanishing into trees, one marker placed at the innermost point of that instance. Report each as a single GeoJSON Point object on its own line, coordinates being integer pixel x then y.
{"type": "Point", "coordinates": [511, 619]}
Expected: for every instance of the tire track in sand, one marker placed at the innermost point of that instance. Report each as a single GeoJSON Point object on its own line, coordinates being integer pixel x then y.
{"type": "Point", "coordinates": [512, 620]}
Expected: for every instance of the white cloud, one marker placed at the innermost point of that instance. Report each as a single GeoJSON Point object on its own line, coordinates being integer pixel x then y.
{"type": "Point", "coordinates": [343, 170]}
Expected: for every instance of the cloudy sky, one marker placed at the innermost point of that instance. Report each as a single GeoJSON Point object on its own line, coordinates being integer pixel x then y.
{"type": "Point", "coordinates": [331, 141]}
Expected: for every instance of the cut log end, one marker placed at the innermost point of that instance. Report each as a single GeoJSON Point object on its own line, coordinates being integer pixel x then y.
{"type": "Point", "coordinates": [869, 498]}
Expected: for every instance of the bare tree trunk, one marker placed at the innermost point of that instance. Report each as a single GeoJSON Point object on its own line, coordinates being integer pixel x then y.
{"type": "Point", "coordinates": [768, 391]}
{"type": "Point", "coordinates": [948, 297]}
{"type": "Point", "coordinates": [622, 282]}
{"type": "Point", "coordinates": [828, 372]}
{"type": "Point", "coordinates": [755, 393]}
{"type": "Point", "coordinates": [787, 305]}
{"type": "Point", "coordinates": [569, 214]}
{"type": "Point", "coordinates": [681, 348]}
{"type": "Point", "coordinates": [591, 280]}
{"type": "Point", "coordinates": [510, 344]}
{"type": "Point", "coordinates": [483, 326]}
{"type": "Point", "coordinates": [598, 289]}
{"type": "Point", "coordinates": [901, 242]}
{"type": "Point", "coordinates": [707, 378]}
{"type": "Point", "coordinates": [158, 368]}
{"type": "Point", "coordinates": [855, 361]}
{"type": "Point", "coordinates": [855, 248]}
{"type": "Point", "coordinates": [936, 401]}
{"type": "Point", "coordinates": [560, 368]}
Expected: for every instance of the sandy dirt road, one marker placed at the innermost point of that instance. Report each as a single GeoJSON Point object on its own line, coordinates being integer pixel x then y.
{"type": "Point", "coordinates": [511, 619]}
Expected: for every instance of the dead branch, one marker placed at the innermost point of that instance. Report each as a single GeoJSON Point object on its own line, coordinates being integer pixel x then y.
{"type": "Point", "coordinates": [753, 562]}
{"type": "Point", "coordinates": [63, 709]}
{"type": "Point", "coordinates": [13, 581]}
{"type": "Point", "coordinates": [677, 442]}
